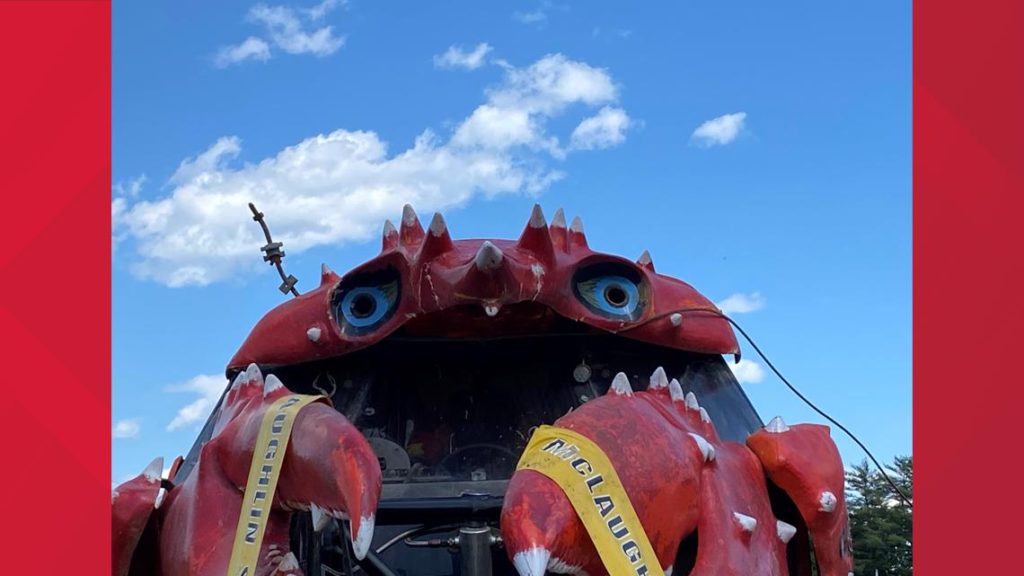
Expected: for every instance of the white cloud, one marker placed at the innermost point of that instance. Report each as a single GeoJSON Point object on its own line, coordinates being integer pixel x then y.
{"type": "Point", "coordinates": [605, 129]}
{"type": "Point", "coordinates": [747, 371]}
{"type": "Point", "coordinates": [339, 187]}
{"type": "Point", "coordinates": [123, 429]}
{"type": "Point", "coordinates": [456, 57]}
{"type": "Point", "coordinates": [252, 48]}
{"type": "Point", "coordinates": [538, 16]}
{"type": "Point", "coordinates": [208, 388]}
{"type": "Point", "coordinates": [742, 303]}
{"type": "Point", "coordinates": [719, 131]}
{"type": "Point", "coordinates": [292, 30]}
{"type": "Point", "coordinates": [130, 188]}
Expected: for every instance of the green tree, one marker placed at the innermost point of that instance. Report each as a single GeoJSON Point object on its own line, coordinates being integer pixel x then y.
{"type": "Point", "coordinates": [880, 522]}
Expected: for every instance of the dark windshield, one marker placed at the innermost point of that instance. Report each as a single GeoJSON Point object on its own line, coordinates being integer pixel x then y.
{"type": "Point", "coordinates": [451, 417]}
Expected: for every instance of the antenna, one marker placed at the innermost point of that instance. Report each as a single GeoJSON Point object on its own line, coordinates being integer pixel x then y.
{"type": "Point", "coordinates": [272, 254]}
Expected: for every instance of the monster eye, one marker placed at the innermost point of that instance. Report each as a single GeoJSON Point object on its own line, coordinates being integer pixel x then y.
{"type": "Point", "coordinates": [362, 305]}
{"type": "Point", "coordinates": [610, 291]}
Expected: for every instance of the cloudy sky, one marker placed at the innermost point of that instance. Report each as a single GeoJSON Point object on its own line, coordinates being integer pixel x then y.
{"type": "Point", "coordinates": [761, 153]}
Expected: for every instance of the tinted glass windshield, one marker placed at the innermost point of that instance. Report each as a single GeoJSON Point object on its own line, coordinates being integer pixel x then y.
{"type": "Point", "coordinates": [451, 417]}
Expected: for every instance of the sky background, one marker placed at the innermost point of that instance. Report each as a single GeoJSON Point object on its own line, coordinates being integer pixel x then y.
{"type": "Point", "coordinates": [760, 152]}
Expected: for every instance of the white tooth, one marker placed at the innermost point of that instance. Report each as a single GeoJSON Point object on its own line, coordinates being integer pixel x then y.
{"type": "Point", "coordinates": [488, 257]}
{"type": "Point", "coordinates": [746, 522]}
{"type": "Point", "coordinates": [785, 531]}
{"type": "Point", "coordinates": [491, 310]}
{"type": "Point", "coordinates": [704, 416]}
{"type": "Point", "coordinates": [313, 334]}
{"type": "Point", "coordinates": [253, 375]}
{"type": "Point", "coordinates": [272, 385]}
{"type": "Point", "coordinates": [620, 385]}
{"type": "Point", "coordinates": [658, 379]}
{"type": "Point", "coordinates": [776, 426]}
{"type": "Point", "coordinates": [705, 447]}
{"type": "Point", "coordinates": [154, 470]}
{"type": "Point", "coordinates": [668, 571]}
{"type": "Point", "coordinates": [320, 517]}
{"type": "Point", "coordinates": [676, 319]}
{"type": "Point", "coordinates": [159, 499]}
{"type": "Point", "coordinates": [361, 541]}
{"type": "Point", "coordinates": [676, 391]}
{"type": "Point", "coordinates": [289, 562]}
{"type": "Point", "coordinates": [532, 562]}
{"type": "Point", "coordinates": [240, 380]}
{"type": "Point", "coordinates": [828, 501]}
{"type": "Point", "coordinates": [691, 401]}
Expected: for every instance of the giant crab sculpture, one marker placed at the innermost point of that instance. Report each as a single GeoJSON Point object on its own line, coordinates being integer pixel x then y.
{"type": "Point", "coordinates": [479, 328]}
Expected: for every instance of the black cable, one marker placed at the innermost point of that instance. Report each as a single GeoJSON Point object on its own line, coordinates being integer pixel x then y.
{"type": "Point", "coordinates": [788, 384]}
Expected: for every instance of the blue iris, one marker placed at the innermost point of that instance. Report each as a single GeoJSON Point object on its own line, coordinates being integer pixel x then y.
{"type": "Point", "coordinates": [615, 295]}
{"type": "Point", "coordinates": [364, 306]}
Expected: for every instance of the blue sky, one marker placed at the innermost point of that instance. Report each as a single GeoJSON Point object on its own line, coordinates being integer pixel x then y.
{"type": "Point", "coordinates": [760, 152]}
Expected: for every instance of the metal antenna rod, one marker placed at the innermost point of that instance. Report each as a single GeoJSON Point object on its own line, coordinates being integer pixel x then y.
{"type": "Point", "coordinates": [272, 254]}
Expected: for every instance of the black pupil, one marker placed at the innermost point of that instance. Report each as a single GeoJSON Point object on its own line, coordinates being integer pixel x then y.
{"type": "Point", "coordinates": [363, 306]}
{"type": "Point", "coordinates": [616, 296]}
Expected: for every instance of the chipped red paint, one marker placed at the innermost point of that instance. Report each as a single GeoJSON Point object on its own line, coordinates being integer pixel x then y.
{"type": "Point", "coordinates": [532, 276]}
{"type": "Point", "coordinates": [677, 489]}
{"type": "Point", "coordinates": [327, 462]}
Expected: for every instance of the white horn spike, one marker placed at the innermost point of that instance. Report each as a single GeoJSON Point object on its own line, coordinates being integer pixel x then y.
{"type": "Point", "coordinates": [559, 219]}
{"type": "Point", "coordinates": [488, 257]}
{"type": "Point", "coordinates": [658, 379]}
{"type": "Point", "coordinates": [253, 375]}
{"type": "Point", "coordinates": [747, 523]}
{"type": "Point", "coordinates": [704, 416]}
{"type": "Point", "coordinates": [785, 531]}
{"type": "Point", "coordinates": [676, 391]}
{"type": "Point", "coordinates": [273, 384]}
{"type": "Point", "coordinates": [691, 401]}
{"type": "Point", "coordinates": [155, 470]}
{"type": "Point", "coordinates": [705, 447]}
{"type": "Point", "coordinates": [620, 385]}
{"type": "Point", "coordinates": [776, 426]}
{"type": "Point", "coordinates": [676, 319]}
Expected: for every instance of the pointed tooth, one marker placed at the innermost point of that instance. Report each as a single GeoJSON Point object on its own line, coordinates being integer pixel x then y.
{"type": "Point", "coordinates": [241, 379]}
{"type": "Point", "coordinates": [488, 257]}
{"type": "Point", "coordinates": [676, 391]}
{"type": "Point", "coordinates": [536, 237]}
{"type": "Point", "coordinates": [658, 379]}
{"type": "Point", "coordinates": [253, 375]}
{"type": "Point", "coordinates": [620, 385]}
{"type": "Point", "coordinates": [154, 470]}
{"type": "Point", "coordinates": [159, 498]}
{"type": "Point", "coordinates": [361, 540]}
{"type": "Point", "coordinates": [532, 562]}
{"type": "Point", "coordinates": [747, 523]}
{"type": "Point", "coordinates": [273, 384]}
{"type": "Point", "coordinates": [288, 563]}
{"type": "Point", "coordinates": [785, 531]}
{"type": "Point", "coordinates": [704, 416]}
{"type": "Point", "coordinates": [705, 447]}
{"type": "Point", "coordinates": [559, 220]}
{"type": "Point", "coordinates": [828, 501]}
{"type": "Point", "coordinates": [321, 518]}
{"type": "Point", "coordinates": [776, 426]}
{"type": "Point", "coordinates": [676, 319]}
{"type": "Point", "coordinates": [691, 401]}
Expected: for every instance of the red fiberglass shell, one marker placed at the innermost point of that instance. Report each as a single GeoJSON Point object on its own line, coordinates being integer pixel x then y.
{"type": "Point", "coordinates": [476, 288]}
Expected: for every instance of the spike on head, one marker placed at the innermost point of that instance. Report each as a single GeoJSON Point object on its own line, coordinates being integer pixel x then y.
{"type": "Point", "coordinates": [536, 237]}
{"type": "Point", "coordinates": [827, 501]}
{"type": "Point", "coordinates": [776, 426]}
{"type": "Point", "coordinates": [154, 470]}
{"type": "Point", "coordinates": [559, 233]}
{"type": "Point", "coordinates": [706, 449]}
{"type": "Point", "coordinates": [411, 232]}
{"type": "Point", "coordinates": [390, 239]}
{"type": "Point", "coordinates": [438, 241]}
{"type": "Point", "coordinates": [785, 531]}
{"type": "Point", "coordinates": [488, 257]}
{"type": "Point", "coordinates": [645, 261]}
{"type": "Point", "coordinates": [620, 385]}
{"type": "Point", "coordinates": [659, 380]}
{"type": "Point", "coordinates": [577, 238]}
{"type": "Point", "coordinates": [747, 523]}
{"type": "Point", "coordinates": [327, 276]}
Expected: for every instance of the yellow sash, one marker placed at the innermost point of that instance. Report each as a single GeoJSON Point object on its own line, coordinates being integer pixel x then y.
{"type": "Point", "coordinates": [267, 457]}
{"type": "Point", "coordinates": [584, 473]}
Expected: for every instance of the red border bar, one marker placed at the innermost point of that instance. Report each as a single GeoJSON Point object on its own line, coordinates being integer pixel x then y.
{"type": "Point", "coordinates": [968, 255]}
{"type": "Point", "coordinates": [55, 303]}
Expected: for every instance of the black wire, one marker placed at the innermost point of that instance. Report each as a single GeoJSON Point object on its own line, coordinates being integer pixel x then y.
{"type": "Point", "coordinates": [789, 385]}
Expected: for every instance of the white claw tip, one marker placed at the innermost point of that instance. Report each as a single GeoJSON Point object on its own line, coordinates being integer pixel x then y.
{"type": "Point", "coordinates": [154, 470]}
{"type": "Point", "coordinates": [361, 541]}
{"type": "Point", "coordinates": [705, 447]}
{"type": "Point", "coordinates": [313, 334]}
{"type": "Point", "coordinates": [676, 391]}
{"type": "Point", "coordinates": [620, 385]}
{"type": "Point", "coordinates": [704, 416]}
{"type": "Point", "coordinates": [785, 531]}
{"type": "Point", "coordinates": [488, 257]}
{"type": "Point", "coordinates": [273, 384]}
{"type": "Point", "coordinates": [532, 562]}
{"type": "Point", "coordinates": [747, 523]}
{"type": "Point", "coordinates": [676, 319]}
{"type": "Point", "coordinates": [828, 501]}
{"type": "Point", "coordinates": [691, 401]}
{"type": "Point", "coordinates": [776, 426]}
{"type": "Point", "coordinates": [658, 379]}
